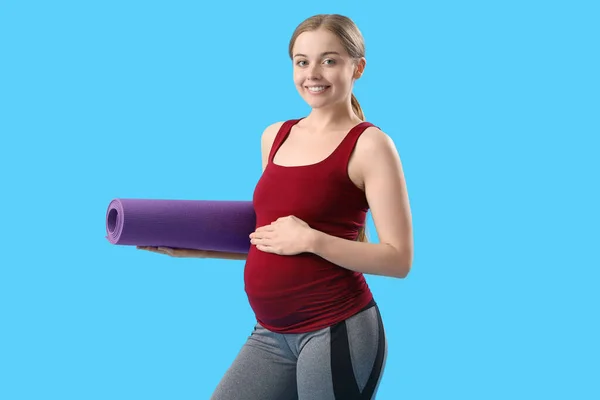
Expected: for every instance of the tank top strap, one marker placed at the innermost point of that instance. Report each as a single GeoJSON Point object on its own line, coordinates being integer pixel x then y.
{"type": "Point", "coordinates": [346, 147]}
{"type": "Point", "coordinates": [282, 134]}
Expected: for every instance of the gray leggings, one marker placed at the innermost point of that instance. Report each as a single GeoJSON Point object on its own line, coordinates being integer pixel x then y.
{"type": "Point", "coordinates": [345, 361]}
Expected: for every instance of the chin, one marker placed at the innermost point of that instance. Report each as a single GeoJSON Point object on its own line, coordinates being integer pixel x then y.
{"type": "Point", "coordinates": [317, 105]}
{"type": "Point", "coordinates": [320, 103]}
{"type": "Point", "coordinates": [317, 102]}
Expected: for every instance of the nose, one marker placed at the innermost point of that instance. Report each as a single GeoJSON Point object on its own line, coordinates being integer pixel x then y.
{"type": "Point", "coordinates": [314, 72]}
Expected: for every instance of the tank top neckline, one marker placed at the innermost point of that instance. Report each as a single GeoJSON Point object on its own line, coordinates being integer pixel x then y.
{"type": "Point", "coordinates": [283, 135]}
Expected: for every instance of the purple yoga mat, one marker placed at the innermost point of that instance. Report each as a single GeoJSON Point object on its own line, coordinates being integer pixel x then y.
{"type": "Point", "coordinates": [191, 224]}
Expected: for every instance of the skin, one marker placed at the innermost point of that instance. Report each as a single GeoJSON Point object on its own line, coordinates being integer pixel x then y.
{"type": "Point", "coordinates": [374, 167]}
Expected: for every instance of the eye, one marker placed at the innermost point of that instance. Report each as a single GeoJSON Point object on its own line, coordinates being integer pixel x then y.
{"type": "Point", "coordinates": [329, 61]}
{"type": "Point", "coordinates": [299, 63]}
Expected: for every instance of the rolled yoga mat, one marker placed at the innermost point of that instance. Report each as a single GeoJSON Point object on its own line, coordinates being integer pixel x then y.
{"type": "Point", "coordinates": [190, 224]}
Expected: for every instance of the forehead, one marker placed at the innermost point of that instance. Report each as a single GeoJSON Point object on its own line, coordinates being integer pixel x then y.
{"type": "Point", "coordinates": [313, 43]}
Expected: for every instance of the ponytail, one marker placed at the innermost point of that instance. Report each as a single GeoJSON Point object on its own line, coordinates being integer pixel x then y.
{"type": "Point", "coordinates": [362, 235]}
{"type": "Point", "coordinates": [356, 107]}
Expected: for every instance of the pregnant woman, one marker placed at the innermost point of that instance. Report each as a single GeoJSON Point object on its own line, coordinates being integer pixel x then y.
{"type": "Point", "coordinates": [319, 333]}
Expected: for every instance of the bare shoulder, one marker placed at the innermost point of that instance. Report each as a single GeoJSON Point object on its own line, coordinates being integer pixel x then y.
{"type": "Point", "coordinates": [266, 140]}
{"type": "Point", "coordinates": [373, 136]}
{"type": "Point", "coordinates": [374, 144]}
{"type": "Point", "coordinates": [270, 132]}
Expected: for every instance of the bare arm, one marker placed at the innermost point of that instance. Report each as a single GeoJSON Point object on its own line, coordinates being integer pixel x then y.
{"type": "Point", "coordinates": [386, 192]}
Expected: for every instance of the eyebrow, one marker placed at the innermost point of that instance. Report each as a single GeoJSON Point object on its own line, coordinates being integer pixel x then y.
{"type": "Point", "coordinates": [322, 54]}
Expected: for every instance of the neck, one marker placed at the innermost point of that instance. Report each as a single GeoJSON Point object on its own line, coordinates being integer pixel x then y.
{"type": "Point", "coordinates": [332, 117]}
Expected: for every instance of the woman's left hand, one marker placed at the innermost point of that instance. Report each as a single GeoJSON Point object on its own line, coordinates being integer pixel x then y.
{"type": "Point", "coordinates": [286, 236]}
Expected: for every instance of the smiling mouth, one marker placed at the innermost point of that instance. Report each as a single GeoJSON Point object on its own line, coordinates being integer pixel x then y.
{"type": "Point", "coordinates": [317, 89]}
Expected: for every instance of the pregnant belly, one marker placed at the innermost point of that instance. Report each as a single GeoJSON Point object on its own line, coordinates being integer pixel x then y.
{"type": "Point", "coordinates": [283, 290]}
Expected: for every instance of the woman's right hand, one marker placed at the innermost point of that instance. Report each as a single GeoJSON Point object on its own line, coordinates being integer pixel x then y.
{"type": "Point", "coordinates": [182, 253]}
{"type": "Point", "coordinates": [192, 253]}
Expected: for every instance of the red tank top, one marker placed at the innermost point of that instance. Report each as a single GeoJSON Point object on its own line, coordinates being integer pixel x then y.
{"type": "Point", "coordinates": [305, 292]}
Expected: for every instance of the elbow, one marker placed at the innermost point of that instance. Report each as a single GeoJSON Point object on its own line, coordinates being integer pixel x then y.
{"type": "Point", "coordinates": [403, 264]}
{"type": "Point", "coordinates": [402, 270]}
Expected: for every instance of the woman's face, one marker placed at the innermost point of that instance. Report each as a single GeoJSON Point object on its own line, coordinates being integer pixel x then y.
{"type": "Point", "coordinates": [324, 73]}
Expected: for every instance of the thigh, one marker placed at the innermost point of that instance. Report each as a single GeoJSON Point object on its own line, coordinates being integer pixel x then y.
{"type": "Point", "coordinates": [263, 369]}
{"type": "Point", "coordinates": [345, 361]}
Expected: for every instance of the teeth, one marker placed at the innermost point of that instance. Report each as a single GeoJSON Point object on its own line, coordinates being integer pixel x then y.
{"type": "Point", "coordinates": [317, 88]}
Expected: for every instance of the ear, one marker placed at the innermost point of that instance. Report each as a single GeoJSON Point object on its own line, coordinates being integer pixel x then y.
{"type": "Point", "coordinates": [360, 68]}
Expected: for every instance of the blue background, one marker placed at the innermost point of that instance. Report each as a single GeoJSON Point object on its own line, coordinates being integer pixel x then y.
{"type": "Point", "coordinates": [494, 107]}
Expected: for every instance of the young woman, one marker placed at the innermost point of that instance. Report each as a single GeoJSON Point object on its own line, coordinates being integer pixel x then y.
{"type": "Point", "coordinates": [319, 334]}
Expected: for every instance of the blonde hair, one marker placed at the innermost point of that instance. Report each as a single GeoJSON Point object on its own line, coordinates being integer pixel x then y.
{"type": "Point", "coordinates": [352, 41]}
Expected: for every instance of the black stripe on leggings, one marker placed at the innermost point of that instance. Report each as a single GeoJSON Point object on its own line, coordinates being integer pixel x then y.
{"type": "Point", "coordinates": [378, 365]}
{"type": "Point", "coordinates": [345, 386]}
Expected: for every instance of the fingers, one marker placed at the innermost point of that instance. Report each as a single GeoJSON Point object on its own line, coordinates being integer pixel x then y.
{"type": "Point", "coordinates": [268, 248]}
{"type": "Point", "coordinates": [271, 227]}
{"type": "Point", "coordinates": [265, 228]}
{"type": "Point", "coordinates": [257, 238]}
{"type": "Point", "coordinates": [260, 235]}
{"type": "Point", "coordinates": [148, 248]}
{"type": "Point", "coordinates": [160, 250]}
{"type": "Point", "coordinates": [166, 250]}
{"type": "Point", "coordinates": [286, 217]}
